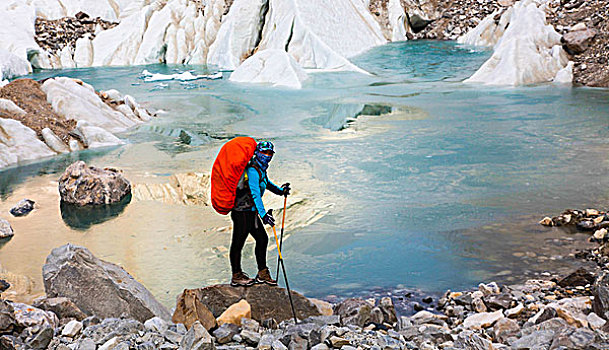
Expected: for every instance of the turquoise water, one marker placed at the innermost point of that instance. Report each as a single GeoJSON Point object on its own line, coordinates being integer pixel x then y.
{"type": "Point", "coordinates": [431, 183]}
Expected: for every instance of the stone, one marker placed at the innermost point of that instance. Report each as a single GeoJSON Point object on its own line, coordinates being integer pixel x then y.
{"type": "Point", "coordinates": [29, 316]}
{"type": "Point", "coordinates": [505, 328]}
{"type": "Point", "coordinates": [190, 309]}
{"type": "Point", "coordinates": [266, 342]}
{"type": "Point", "coordinates": [110, 344]}
{"type": "Point", "coordinates": [600, 235]}
{"type": "Point", "coordinates": [423, 317]}
{"type": "Point", "coordinates": [156, 324]}
{"type": "Point", "coordinates": [82, 185]}
{"type": "Point", "coordinates": [320, 346]}
{"type": "Point", "coordinates": [354, 311]}
{"type": "Point", "coordinates": [546, 221]}
{"type": "Point", "coordinates": [321, 321]}
{"type": "Point", "coordinates": [24, 207]}
{"type": "Point", "coordinates": [225, 332]}
{"type": "Point", "coordinates": [376, 315]}
{"type": "Point", "coordinates": [54, 142]}
{"type": "Point", "coordinates": [479, 305]}
{"type": "Point", "coordinates": [71, 329]}
{"type": "Point", "coordinates": [250, 325]}
{"type": "Point", "coordinates": [535, 340]}
{"type": "Point", "coordinates": [498, 301]}
{"type": "Point", "coordinates": [266, 301]}
{"type": "Point", "coordinates": [472, 341]}
{"type": "Point", "coordinates": [235, 313]}
{"type": "Point", "coordinates": [197, 338]}
{"type": "Point", "coordinates": [338, 342]}
{"type": "Point", "coordinates": [278, 345]}
{"type": "Point", "coordinates": [576, 42]}
{"type": "Point", "coordinates": [515, 311]}
{"type": "Point", "coordinates": [86, 344]}
{"type": "Point", "coordinates": [325, 308]}
{"type": "Point", "coordinates": [388, 309]}
{"type": "Point", "coordinates": [104, 289]}
{"type": "Point", "coordinates": [7, 317]}
{"type": "Point", "coordinates": [488, 289]}
{"type": "Point", "coordinates": [62, 307]}
{"type": "Point", "coordinates": [250, 337]}
{"type": "Point", "coordinates": [482, 320]}
{"type": "Point", "coordinates": [41, 340]}
{"type": "Point", "coordinates": [6, 231]}
{"type": "Point", "coordinates": [580, 277]}
{"type": "Point", "coordinates": [594, 321]}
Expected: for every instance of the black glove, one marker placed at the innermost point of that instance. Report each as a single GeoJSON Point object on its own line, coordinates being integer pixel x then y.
{"type": "Point", "coordinates": [268, 218]}
{"type": "Point", "coordinates": [286, 189]}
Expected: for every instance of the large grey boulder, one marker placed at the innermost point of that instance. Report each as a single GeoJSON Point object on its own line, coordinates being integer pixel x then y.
{"type": "Point", "coordinates": [81, 185]}
{"type": "Point", "coordinates": [98, 287]}
{"type": "Point", "coordinates": [354, 311]}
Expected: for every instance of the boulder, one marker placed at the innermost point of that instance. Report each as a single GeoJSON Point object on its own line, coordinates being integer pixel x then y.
{"type": "Point", "coordinates": [426, 317]}
{"type": "Point", "coordinates": [576, 42]}
{"type": "Point", "coordinates": [482, 320]}
{"type": "Point", "coordinates": [96, 286]}
{"type": "Point", "coordinates": [235, 313]}
{"type": "Point", "coordinates": [40, 340]}
{"type": "Point", "coordinates": [354, 311]}
{"type": "Point", "coordinates": [197, 338]}
{"type": "Point", "coordinates": [24, 207]}
{"type": "Point", "coordinates": [266, 301]}
{"type": "Point", "coordinates": [273, 67]}
{"type": "Point", "coordinates": [62, 307]}
{"type": "Point", "coordinates": [6, 231]}
{"type": "Point", "coordinates": [389, 314]}
{"type": "Point", "coordinates": [71, 329]}
{"type": "Point", "coordinates": [472, 341]}
{"type": "Point", "coordinates": [190, 309]}
{"type": "Point", "coordinates": [226, 332]}
{"type": "Point", "coordinates": [7, 317]}
{"type": "Point", "coordinates": [580, 277]}
{"type": "Point", "coordinates": [29, 316]}
{"type": "Point", "coordinates": [324, 307]}
{"type": "Point", "coordinates": [505, 328]}
{"type": "Point", "coordinates": [82, 185]}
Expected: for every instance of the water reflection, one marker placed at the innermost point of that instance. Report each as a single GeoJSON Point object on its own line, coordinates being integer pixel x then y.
{"type": "Point", "coordinates": [83, 217]}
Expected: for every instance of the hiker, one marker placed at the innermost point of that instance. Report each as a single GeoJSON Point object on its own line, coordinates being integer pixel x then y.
{"type": "Point", "coordinates": [246, 214]}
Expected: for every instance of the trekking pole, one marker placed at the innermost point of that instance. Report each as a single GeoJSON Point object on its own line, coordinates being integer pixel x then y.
{"type": "Point", "coordinates": [285, 202]}
{"type": "Point", "coordinates": [285, 276]}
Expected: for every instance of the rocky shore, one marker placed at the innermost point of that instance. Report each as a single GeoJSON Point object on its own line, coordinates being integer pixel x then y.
{"type": "Point", "coordinates": [94, 304]}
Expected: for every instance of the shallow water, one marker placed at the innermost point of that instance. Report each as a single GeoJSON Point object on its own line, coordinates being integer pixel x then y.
{"type": "Point", "coordinates": [425, 182]}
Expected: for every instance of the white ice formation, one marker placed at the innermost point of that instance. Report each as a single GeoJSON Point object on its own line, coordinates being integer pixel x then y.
{"type": "Point", "coordinates": [71, 99]}
{"type": "Point", "coordinates": [526, 50]}
{"type": "Point", "coordinates": [272, 67]}
{"type": "Point", "coordinates": [184, 76]}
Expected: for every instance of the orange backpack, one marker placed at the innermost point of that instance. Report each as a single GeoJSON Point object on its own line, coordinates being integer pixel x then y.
{"type": "Point", "coordinates": [227, 170]}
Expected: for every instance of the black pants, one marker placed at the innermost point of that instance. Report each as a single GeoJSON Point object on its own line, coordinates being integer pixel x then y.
{"type": "Point", "coordinates": [244, 223]}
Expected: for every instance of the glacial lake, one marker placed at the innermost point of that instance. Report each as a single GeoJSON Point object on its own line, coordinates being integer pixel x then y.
{"type": "Point", "coordinates": [406, 178]}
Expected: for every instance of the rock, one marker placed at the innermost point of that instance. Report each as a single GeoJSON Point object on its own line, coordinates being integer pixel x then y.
{"type": "Point", "coordinates": [42, 339]}
{"type": "Point", "coordinates": [498, 301]}
{"type": "Point", "coordinates": [535, 340]}
{"type": "Point", "coordinates": [573, 310]}
{"type": "Point", "coordinates": [376, 315]}
{"type": "Point", "coordinates": [273, 67]}
{"type": "Point", "coordinates": [197, 338]}
{"type": "Point", "coordinates": [515, 311]}
{"type": "Point", "coordinates": [82, 185]}
{"type": "Point", "coordinates": [505, 328]}
{"type": "Point", "coordinates": [482, 320]}
{"type": "Point", "coordinates": [324, 307]}
{"type": "Point", "coordinates": [190, 309]}
{"type": "Point", "coordinates": [29, 316]}
{"type": "Point", "coordinates": [600, 235]}
{"type": "Point", "coordinates": [4, 285]}
{"type": "Point", "coordinates": [250, 325]}
{"type": "Point", "coordinates": [580, 277]}
{"type": "Point", "coordinates": [472, 341]}
{"type": "Point", "coordinates": [278, 345]}
{"type": "Point", "coordinates": [320, 346]}
{"type": "Point", "coordinates": [594, 321]}
{"type": "Point", "coordinates": [479, 305]}
{"type": "Point", "coordinates": [110, 344]}
{"type": "Point", "coordinates": [6, 231]}
{"type": "Point", "coordinates": [266, 342]}
{"type": "Point", "coordinates": [86, 344]}
{"type": "Point", "coordinates": [54, 142]}
{"type": "Point", "coordinates": [489, 289]}
{"type": "Point", "coordinates": [354, 311]}
{"type": "Point", "coordinates": [156, 324]}
{"type": "Point", "coordinates": [7, 317]}
{"type": "Point", "coordinates": [250, 337]}
{"type": "Point", "coordinates": [389, 314]}
{"type": "Point", "coordinates": [62, 307]}
{"type": "Point", "coordinates": [338, 342]}
{"type": "Point", "coordinates": [423, 317]}
{"type": "Point", "coordinates": [235, 313]}
{"type": "Point", "coordinates": [24, 207]}
{"type": "Point", "coordinates": [18, 143]}
{"type": "Point", "coordinates": [577, 42]}
{"type": "Point", "coordinates": [266, 301]}
{"type": "Point", "coordinates": [546, 221]}
{"type": "Point", "coordinates": [226, 332]}
{"type": "Point", "coordinates": [104, 289]}
{"type": "Point", "coordinates": [71, 329]}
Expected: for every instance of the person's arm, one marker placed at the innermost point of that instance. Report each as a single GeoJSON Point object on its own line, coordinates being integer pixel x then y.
{"type": "Point", "coordinates": [254, 183]}
{"type": "Point", "coordinates": [274, 188]}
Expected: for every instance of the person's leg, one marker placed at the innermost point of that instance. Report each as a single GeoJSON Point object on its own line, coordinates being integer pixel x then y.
{"type": "Point", "coordinates": [262, 241]}
{"type": "Point", "coordinates": [240, 231]}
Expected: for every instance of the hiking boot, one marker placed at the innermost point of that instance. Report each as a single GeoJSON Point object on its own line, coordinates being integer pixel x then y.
{"type": "Point", "coordinates": [241, 279]}
{"type": "Point", "coordinates": [264, 276]}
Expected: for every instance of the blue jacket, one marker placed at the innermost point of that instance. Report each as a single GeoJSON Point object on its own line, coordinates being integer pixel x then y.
{"type": "Point", "coordinates": [257, 186]}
